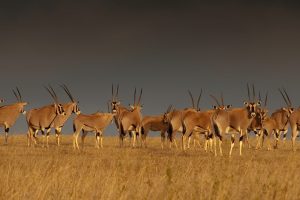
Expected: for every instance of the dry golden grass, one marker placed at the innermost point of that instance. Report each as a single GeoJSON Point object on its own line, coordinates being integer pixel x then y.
{"type": "Point", "coordinates": [152, 173]}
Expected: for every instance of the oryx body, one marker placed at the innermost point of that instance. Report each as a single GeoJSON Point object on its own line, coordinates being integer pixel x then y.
{"type": "Point", "coordinates": [96, 122]}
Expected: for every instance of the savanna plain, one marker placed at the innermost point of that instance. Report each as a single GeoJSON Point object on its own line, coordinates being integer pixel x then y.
{"type": "Point", "coordinates": [145, 173]}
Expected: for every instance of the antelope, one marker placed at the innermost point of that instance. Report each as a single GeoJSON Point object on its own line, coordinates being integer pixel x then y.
{"type": "Point", "coordinates": [174, 119]}
{"type": "Point", "coordinates": [130, 121]}
{"type": "Point", "coordinates": [116, 106]}
{"type": "Point", "coordinates": [154, 123]}
{"type": "Point", "coordinates": [69, 108]}
{"type": "Point", "coordinates": [10, 113]}
{"type": "Point", "coordinates": [43, 118]}
{"type": "Point", "coordinates": [96, 122]}
{"type": "Point", "coordinates": [196, 122]}
{"type": "Point", "coordinates": [235, 120]}
{"type": "Point", "coordinates": [279, 119]}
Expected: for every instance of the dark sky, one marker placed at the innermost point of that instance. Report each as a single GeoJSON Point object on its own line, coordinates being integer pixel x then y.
{"type": "Point", "coordinates": [166, 47]}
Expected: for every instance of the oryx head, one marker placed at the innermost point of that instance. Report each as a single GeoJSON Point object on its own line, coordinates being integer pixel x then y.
{"type": "Point", "coordinates": [59, 110]}
{"type": "Point", "coordinates": [196, 107]}
{"type": "Point", "coordinates": [75, 104]}
{"type": "Point", "coordinates": [166, 116]}
{"type": "Point", "coordinates": [220, 106]}
{"type": "Point", "coordinates": [262, 112]}
{"type": "Point", "coordinates": [21, 104]}
{"type": "Point", "coordinates": [289, 109]}
{"type": "Point", "coordinates": [114, 99]}
{"type": "Point", "coordinates": [1, 100]}
{"type": "Point", "coordinates": [252, 104]}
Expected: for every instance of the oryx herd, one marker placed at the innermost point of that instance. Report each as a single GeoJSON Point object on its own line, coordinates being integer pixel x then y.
{"type": "Point", "coordinates": [214, 124]}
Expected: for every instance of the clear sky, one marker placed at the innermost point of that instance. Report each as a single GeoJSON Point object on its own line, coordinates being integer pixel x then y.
{"type": "Point", "coordinates": [165, 47]}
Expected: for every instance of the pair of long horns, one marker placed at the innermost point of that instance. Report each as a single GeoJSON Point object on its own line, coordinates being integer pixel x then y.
{"type": "Point", "coordinates": [134, 97]}
{"type": "Point", "coordinates": [113, 94]}
{"type": "Point", "coordinates": [285, 97]}
{"type": "Point", "coordinates": [198, 101]}
{"type": "Point", "coordinates": [217, 101]}
{"type": "Point", "coordinates": [253, 93]}
{"type": "Point", "coordinates": [52, 93]}
{"type": "Point", "coordinates": [17, 94]}
{"type": "Point", "coordinates": [266, 99]}
{"type": "Point", "coordinates": [66, 89]}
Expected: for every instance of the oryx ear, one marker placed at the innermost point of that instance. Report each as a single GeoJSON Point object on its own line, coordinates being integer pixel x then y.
{"type": "Point", "coordinates": [291, 109]}
{"type": "Point", "coordinates": [228, 106]}
{"type": "Point", "coordinates": [284, 109]}
{"type": "Point", "coordinates": [246, 103]}
{"type": "Point", "coordinates": [215, 107]}
{"type": "Point", "coordinates": [132, 107]}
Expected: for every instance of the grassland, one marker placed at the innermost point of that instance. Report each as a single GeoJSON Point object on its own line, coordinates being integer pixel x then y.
{"type": "Point", "coordinates": [152, 173]}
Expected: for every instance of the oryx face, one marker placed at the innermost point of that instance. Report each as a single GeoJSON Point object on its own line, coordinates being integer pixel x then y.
{"type": "Point", "coordinates": [262, 115]}
{"type": "Point", "coordinates": [114, 106]}
{"type": "Point", "coordinates": [288, 111]}
{"type": "Point", "coordinates": [76, 109]}
{"type": "Point", "coordinates": [59, 110]}
{"type": "Point", "coordinates": [252, 108]}
{"type": "Point", "coordinates": [222, 107]}
{"type": "Point", "coordinates": [22, 105]}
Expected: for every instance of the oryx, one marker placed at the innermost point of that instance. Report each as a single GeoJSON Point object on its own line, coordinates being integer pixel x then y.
{"type": "Point", "coordinates": [235, 120]}
{"type": "Point", "coordinates": [43, 118]}
{"type": "Point", "coordinates": [278, 121]}
{"type": "Point", "coordinates": [96, 122]}
{"type": "Point", "coordinates": [154, 123]}
{"type": "Point", "coordinates": [69, 108]}
{"type": "Point", "coordinates": [130, 120]}
{"type": "Point", "coordinates": [10, 113]}
{"type": "Point", "coordinates": [175, 121]}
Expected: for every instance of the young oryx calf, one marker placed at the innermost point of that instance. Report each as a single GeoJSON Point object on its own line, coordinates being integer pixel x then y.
{"type": "Point", "coordinates": [154, 123]}
{"type": "Point", "coordinates": [10, 113]}
{"type": "Point", "coordinates": [97, 123]}
{"type": "Point", "coordinates": [42, 118]}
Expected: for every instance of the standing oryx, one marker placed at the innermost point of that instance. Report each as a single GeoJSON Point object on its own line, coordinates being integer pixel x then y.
{"type": "Point", "coordinates": [235, 120]}
{"type": "Point", "coordinates": [130, 121]}
{"type": "Point", "coordinates": [43, 118]}
{"type": "Point", "coordinates": [175, 121]}
{"type": "Point", "coordinates": [96, 122]}
{"type": "Point", "coordinates": [10, 113]}
{"type": "Point", "coordinates": [154, 123]}
{"type": "Point", "coordinates": [278, 121]}
{"type": "Point", "coordinates": [69, 108]}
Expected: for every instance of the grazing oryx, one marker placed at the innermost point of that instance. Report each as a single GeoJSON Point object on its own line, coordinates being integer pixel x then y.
{"type": "Point", "coordinates": [96, 122]}
{"type": "Point", "coordinates": [235, 120]}
{"type": "Point", "coordinates": [43, 118]}
{"type": "Point", "coordinates": [69, 108]}
{"type": "Point", "coordinates": [154, 123]}
{"type": "Point", "coordinates": [130, 121]}
{"type": "Point", "coordinates": [10, 113]}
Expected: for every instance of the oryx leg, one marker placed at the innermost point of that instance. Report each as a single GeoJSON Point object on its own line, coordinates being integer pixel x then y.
{"type": "Point", "coordinates": [134, 138]}
{"type": "Point", "coordinates": [247, 139]}
{"type": "Point", "coordinates": [220, 145]}
{"type": "Point", "coordinates": [75, 138]}
{"type": "Point", "coordinates": [44, 136]}
{"type": "Point", "coordinates": [47, 137]}
{"type": "Point", "coordinates": [284, 135]}
{"type": "Point", "coordinates": [6, 135]}
{"type": "Point", "coordinates": [259, 139]}
{"type": "Point", "coordinates": [276, 137]}
{"type": "Point", "coordinates": [57, 135]}
{"type": "Point", "coordinates": [101, 139]}
{"type": "Point", "coordinates": [162, 139]}
{"type": "Point", "coordinates": [294, 136]}
{"type": "Point", "coordinates": [232, 144]}
{"type": "Point", "coordinates": [242, 134]}
{"type": "Point", "coordinates": [97, 145]}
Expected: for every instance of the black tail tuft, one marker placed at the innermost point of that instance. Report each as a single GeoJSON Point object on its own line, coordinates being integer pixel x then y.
{"type": "Point", "coordinates": [142, 130]}
{"type": "Point", "coordinates": [183, 128]}
{"type": "Point", "coordinates": [216, 129]}
{"type": "Point", "coordinates": [122, 132]}
{"type": "Point", "coordinates": [74, 128]}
